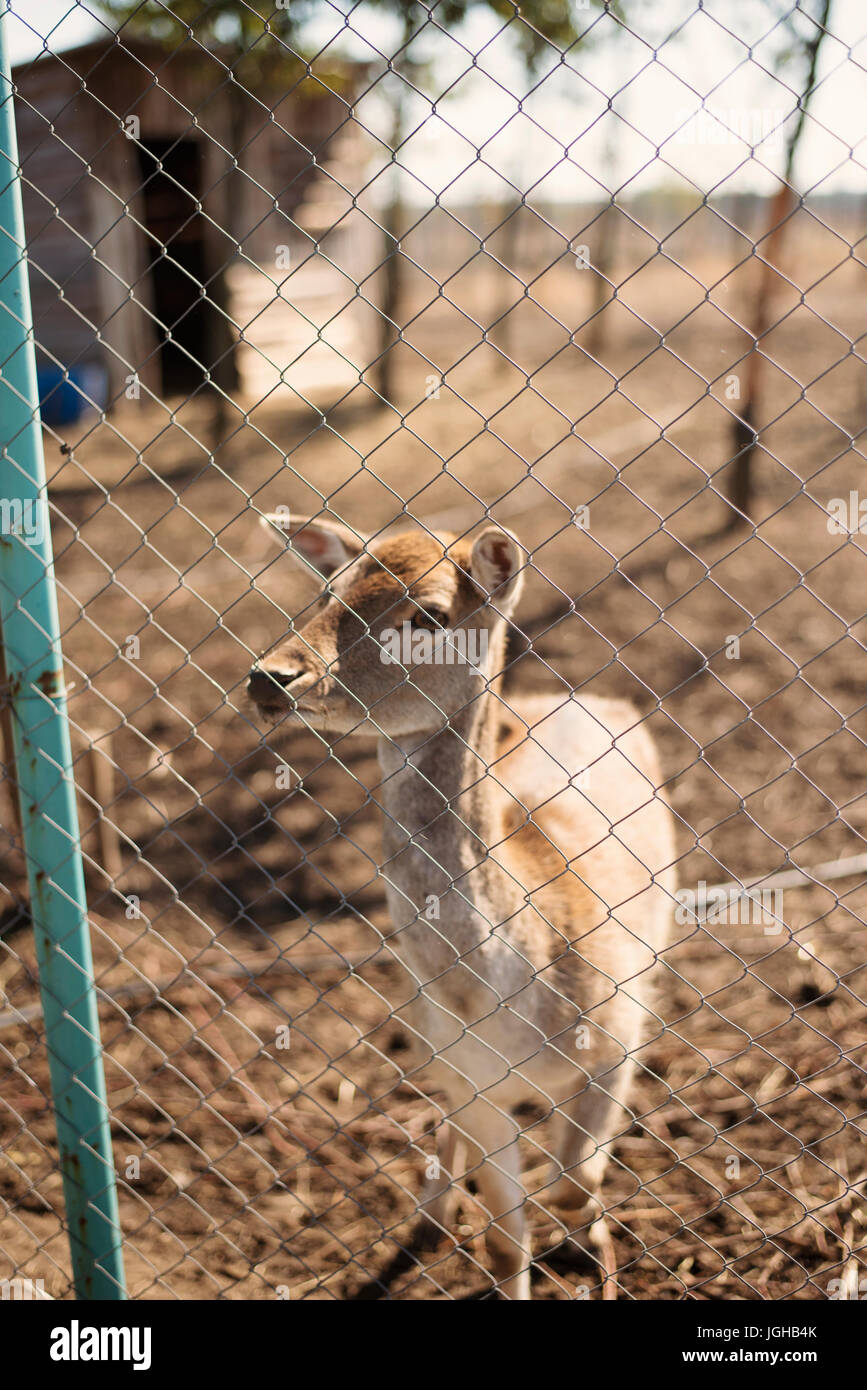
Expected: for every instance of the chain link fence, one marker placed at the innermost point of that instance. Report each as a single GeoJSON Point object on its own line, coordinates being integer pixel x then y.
{"type": "Point", "coordinates": [595, 281]}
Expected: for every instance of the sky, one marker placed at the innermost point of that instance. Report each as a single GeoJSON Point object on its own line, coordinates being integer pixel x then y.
{"type": "Point", "coordinates": [616, 119]}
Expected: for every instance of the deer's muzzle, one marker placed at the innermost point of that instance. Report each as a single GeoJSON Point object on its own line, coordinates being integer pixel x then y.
{"type": "Point", "coordinates": [277, 687]}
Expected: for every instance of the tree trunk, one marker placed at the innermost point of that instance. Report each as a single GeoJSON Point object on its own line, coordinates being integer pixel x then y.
{"type": "Point", "coordinates": [393, 271]}
{"type": "Point", "coordinates": [503, 318]}
{"type": "Point", "coordinates": [602, 263]}
{"type": "Point", "coordinates": [740, 480]}
{"type": "Point", "coordinates": [392, 295]}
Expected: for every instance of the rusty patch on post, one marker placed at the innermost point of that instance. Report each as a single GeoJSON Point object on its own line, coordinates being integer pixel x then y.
{"type": "Point", "coordinates": [50, 683]}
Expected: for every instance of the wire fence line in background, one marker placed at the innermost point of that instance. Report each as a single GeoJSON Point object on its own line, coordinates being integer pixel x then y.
{"type": "Point", "coordinates": [535, 339]}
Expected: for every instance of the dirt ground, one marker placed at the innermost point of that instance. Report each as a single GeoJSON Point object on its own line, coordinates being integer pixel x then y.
{"type": "Point", "coordinates": [270, 1172]}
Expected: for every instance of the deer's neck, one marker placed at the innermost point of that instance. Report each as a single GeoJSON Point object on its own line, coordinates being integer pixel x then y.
{"type": "Point", "coordinates": [442, 814]}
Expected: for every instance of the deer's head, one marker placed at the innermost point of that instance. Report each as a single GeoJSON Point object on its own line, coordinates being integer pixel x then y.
{"type": "Point", "coordinates": [407, 632]}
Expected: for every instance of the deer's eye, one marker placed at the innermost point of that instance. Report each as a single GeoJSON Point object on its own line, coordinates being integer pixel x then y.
{"type": "Point", "coordinates": [430, 618]}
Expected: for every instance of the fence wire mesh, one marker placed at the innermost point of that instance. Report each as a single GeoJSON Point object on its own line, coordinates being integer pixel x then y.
{"type": "Point", "coordinates": [594, 279]}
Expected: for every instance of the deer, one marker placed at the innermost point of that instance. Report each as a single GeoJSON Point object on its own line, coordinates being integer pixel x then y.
{"type": "Point", "coordinates": [537, 827]}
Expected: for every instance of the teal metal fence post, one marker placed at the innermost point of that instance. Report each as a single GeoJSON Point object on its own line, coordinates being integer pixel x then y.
{"type": "Point", "coordinates": [34, 669]}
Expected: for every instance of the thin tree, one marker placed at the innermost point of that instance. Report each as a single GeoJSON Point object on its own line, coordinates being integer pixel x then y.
{"type": "Point", "coordinates": [741, 474]}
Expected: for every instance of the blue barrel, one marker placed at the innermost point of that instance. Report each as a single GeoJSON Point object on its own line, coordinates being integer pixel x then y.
{"type": "Point", "coordinates": [65, 396]}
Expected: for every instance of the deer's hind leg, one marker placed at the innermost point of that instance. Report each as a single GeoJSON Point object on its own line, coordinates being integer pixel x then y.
{"type": "Point", "coordinates": [583, 1128]}
{"type": "Point", "coordinates": [439, 1194]}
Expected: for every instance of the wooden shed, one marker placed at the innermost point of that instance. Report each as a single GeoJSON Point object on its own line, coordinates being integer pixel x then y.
{"type": "Point", "coordinates": [180, 223]}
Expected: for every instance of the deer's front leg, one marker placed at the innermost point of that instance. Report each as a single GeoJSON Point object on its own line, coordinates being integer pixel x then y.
{"type": "Point", "coordinates": [493, 1161]}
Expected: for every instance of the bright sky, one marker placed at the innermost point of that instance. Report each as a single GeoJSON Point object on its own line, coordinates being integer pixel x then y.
{"type": "Point", "coordinates": [565, 143]}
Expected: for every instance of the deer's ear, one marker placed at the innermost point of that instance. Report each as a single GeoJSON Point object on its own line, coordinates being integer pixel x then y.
{"type": "Point", "coordinates": [497, 565]}
{"type": "Point", "coordinates": [319, 545]}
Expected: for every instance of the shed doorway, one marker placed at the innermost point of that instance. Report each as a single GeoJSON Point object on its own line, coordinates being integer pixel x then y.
{"type": "Point", "coordinates": [188, 325]}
